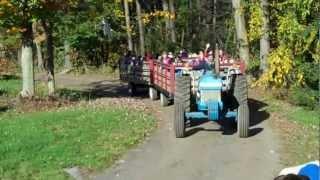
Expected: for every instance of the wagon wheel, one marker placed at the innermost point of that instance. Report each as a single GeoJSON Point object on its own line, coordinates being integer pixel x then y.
{"type": "Point", "coordinates": [164, 100]}
{"type": "Point", "coordinates": [132, 89]}
{"type": "Point", "coordinates": [153, 93]}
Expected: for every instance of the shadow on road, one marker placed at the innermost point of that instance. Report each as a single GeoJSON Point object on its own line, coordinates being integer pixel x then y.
{"type": "Point", "coordinates": [229, 127]}
{"type": "Point", "coordinates": [101, 89]}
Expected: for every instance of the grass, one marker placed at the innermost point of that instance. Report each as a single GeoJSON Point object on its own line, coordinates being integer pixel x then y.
{"type": "Point", "coordinates": [297, 114]}
{"type": "Point", "coordinates": [40, 145]}
{"type": "Point", "coordinates": [304, 116]}
{"type": "Point", "coordinates": [300, 131]}
{"type": "Point", "coordinates": [11, 87]}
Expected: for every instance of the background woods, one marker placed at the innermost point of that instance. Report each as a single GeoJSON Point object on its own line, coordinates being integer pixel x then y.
{"type": "Point", "coordinates": [278, 40]}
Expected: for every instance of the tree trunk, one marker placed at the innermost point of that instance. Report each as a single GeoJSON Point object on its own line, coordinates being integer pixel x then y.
{"type": "Point", "coordinates": [141, 28]}
{"type": "Point", "coordinates": [241, 31]}
{"type": "Point", "coordinates": [265, 39]}
{"type": "Point", "coordinates": [172, 24]}
{"type": "Point", "coordinates": [39, 56]}
{"type": "Point", "coordinates": [37, 42]}
{"type": "Point", "coordinates": [67, 61]}
{"type": "Point", "coordinates": [198, 4]}
{"type": "Point", "coordinates": [214, 22]}
{"type": "Point", "coordinates": [182, 39]}
{"type": "Point", "coordinates": [27, 63]}
{"type": "Point", "coordinates": [50, 57]}
{"type": "Point", "coordinates": [19, 55]}
{"type": "Point", "coordinates": [128, 25]}
{"type": "Point", "coordinates": [165, 7]}
{"type": "Point", "coordinates": [2, 51]}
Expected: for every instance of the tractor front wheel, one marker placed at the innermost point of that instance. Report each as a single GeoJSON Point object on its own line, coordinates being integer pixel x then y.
{"type": "Point", "coordinates": [179, 119]}
{"type": "Point", "coordinates": [243, 120]}
{"type": "Point", "coordinates": [241, 95]}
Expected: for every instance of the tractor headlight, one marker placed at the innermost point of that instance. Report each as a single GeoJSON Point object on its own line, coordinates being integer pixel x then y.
{"type": "Point", "coordinates": [198, 95]}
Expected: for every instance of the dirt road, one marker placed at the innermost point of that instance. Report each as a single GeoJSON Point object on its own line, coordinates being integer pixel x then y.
{"type": "Point", "coordinates": [206, 154]}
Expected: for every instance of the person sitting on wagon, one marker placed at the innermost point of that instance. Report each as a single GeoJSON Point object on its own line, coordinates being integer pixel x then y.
{"type": "Point", "coordinates": [165, 59]}
{"type": "Point", "coordinates": [184, 54]}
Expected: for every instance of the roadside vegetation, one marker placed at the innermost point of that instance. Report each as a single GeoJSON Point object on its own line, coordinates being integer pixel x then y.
{"type": "Point", "coordinates": [298, 128]}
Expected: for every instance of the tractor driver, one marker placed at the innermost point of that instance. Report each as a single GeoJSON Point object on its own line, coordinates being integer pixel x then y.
{"type": "Point", "coordinates": [201, 63]}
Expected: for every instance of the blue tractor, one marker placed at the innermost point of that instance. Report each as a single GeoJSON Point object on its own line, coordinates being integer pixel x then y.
{"type": "Point", "coordinates": [221, 96]}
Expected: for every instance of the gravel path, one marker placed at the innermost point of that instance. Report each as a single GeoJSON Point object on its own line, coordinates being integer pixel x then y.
{"type": "Point", "coordinates": [206, 154]}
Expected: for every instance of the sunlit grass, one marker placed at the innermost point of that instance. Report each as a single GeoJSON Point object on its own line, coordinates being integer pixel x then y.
{"type": "Point", "coordinates": [301, 144]}
{"type": "Point", "coordinates": [40, 145]}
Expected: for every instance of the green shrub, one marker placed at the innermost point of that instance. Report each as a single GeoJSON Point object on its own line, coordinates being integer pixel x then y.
{"type": "Point", "coordinates": [303, 96]}
{"type": "Point", "coordinates": [311, 74]}
{"type": "Point", "coordinates": [254, 67]}
{"type": "Point", "coordinates": [113, 60]}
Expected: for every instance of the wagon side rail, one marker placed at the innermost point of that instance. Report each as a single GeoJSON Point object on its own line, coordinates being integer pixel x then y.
{"type": "Point", "coordinates": [162, 77]}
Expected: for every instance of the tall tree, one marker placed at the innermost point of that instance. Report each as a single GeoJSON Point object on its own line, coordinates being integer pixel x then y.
{"type": "Point", "coordinates": [16, 17]}
{"type": "Point", "coordinates": [128, 25]}
{"type": "Point", "coordinates": [172, 19]}
{"type": "Point", "coordinates": [265, 39]}
{"type": "Point", "coordinates": [67, 58]}
{"type": "Point", "coordinates": [27, 59]}
{"type": "Point", "coordinates": [241, 30]}
{"type": "Point", "coordinates": [38, 39]}
{"type": "Point", "coordinates": [141, 28]}
{"type": "Point", "coordinates": [48, 28]}
{"type": "Point", "coordinates": [165, 7]}
{"type": "Point", "coordinates": [214, 24]}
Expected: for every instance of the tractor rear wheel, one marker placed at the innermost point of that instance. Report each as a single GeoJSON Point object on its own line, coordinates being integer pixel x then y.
{"type": "Point", "coordinates": [182, 104]}
{"type": "Point", "coordinates": [241, 95]}
{"type": "Point", "coordinates": [164, 101]}
{"type": "Point", "coordinates": [153, 93]}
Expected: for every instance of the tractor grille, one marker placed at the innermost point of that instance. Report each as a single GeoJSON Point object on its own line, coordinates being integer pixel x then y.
{"type": "Point", "coordinates": [210, 95]}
